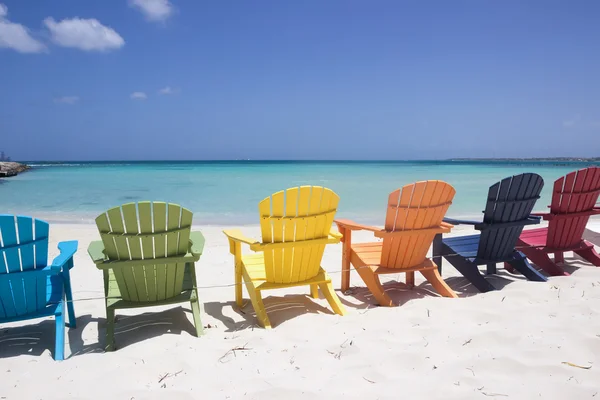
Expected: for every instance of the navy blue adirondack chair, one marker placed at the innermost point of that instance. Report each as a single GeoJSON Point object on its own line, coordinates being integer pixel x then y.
{"type": "Point", "coordinates": [29, 287]}
{"type": "Point", "coordinates": [507, 211]}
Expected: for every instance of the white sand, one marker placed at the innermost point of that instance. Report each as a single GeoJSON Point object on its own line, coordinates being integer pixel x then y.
{"type": "Point", "coordinates": [510, 343]}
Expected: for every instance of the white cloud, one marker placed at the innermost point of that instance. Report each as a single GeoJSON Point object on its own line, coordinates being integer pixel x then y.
{"type": "Point", "coordinates": [66, 100]}
{"type": "Point", "coordinates": [154, 10]}
{"type": "Point", "coordinates": [16, 36]}
{"type": "Point", "coordinates": [168, 90]}
{"type": "Point", "coordinates": [138, 96]}
{"type": "Point", "coordinates": [84, 34]}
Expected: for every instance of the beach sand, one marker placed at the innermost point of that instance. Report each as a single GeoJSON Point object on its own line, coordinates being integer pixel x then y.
{"type": "Point", "coordinates": [512, 343]}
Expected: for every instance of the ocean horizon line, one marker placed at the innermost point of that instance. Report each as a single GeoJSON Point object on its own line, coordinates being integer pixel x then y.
{"type": "Point", "coordinates": [562, 160]}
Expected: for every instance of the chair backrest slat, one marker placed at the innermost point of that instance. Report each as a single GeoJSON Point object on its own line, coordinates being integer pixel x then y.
{"type": "Point", "coordinates": [416, 206]}
{"type": "Point", "coordinates": [292, 215]}
{"type": "Point", "coordinates": [576, 192]}
{"type": "Point", "coordinates": [510, 200]}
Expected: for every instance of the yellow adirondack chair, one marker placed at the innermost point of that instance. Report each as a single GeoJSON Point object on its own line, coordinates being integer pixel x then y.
{"type": "Point", "coordinates": [295, 226]}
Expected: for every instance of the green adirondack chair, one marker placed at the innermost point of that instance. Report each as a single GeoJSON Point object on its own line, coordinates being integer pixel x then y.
{"type": "Point", "coordinates": [147, 255]}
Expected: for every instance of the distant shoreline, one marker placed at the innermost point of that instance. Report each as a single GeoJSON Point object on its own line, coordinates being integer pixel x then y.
{"type": "Point", "coordinates": [550, 159]}
{"type": "Point", "coordinates": [11, 168]}
{"type": "Point", "coordinates": [248, 161]}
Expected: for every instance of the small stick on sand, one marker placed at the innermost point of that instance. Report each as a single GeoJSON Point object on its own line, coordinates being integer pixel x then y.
{"type": "Point", "coordinates": [575, 365]}
{"type": "Point", "coordinates": [233, 350]}
{"type": "Point", "coordinates": [168, 375]}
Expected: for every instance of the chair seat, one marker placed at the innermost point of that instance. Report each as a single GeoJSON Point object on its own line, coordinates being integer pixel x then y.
{"type": "Point", "coordinates": [115, 299]}
{"type": "Point", "coordinates": [370, 254]}
{"type": "Point", "coordinates": [538, 238]}
{"type": "Point", "coordinates": [534, 237]}
{"type": "Point", "coordinates": [254, 266]}
{"type": "Point", "coordinates": [52, 303]}
{"type": "Point", "coordinates": [464, 246]}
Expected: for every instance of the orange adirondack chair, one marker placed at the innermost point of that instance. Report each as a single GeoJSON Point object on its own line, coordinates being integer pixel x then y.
{"type": "Point", "coordinates": [574, 200]}
{"type": "Point", "coordinates": [414, 216]}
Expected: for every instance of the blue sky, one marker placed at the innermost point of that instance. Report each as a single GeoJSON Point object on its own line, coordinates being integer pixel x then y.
{"type": "Point", "coordinates": [337, 79]}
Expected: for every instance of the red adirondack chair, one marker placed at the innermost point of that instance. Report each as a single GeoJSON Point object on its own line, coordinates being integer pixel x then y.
{"type": "Point", "coordinates": [574, 200]}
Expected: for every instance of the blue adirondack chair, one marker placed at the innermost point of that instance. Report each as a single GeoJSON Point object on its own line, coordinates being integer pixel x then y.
{"type": "Point", "coordinates": [29, 287]}
{"type": "Point", "coordinates": [507, 211]}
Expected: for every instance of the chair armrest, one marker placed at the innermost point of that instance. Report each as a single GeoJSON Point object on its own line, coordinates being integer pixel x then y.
{"type": "Point", "coordinates": [442, 228]}
{"type": "Point", "coordinates": [453, 221]}
{"type": "Point", "coordinates": [531, 220]}
{"type": "Point", "coordinates": [353, 226]}
{"type": "Point", "coordinates": [196, 243]}
{"type": "Point", "coordinates": [335, 234]}
{"type": "Point", "coordinates": [236, 236]}
{"type": "Point", "coordinates": [96, 252]}
{"type": "Point", "coordinates": [67, 250]}
{"type": "Point", "coordinates": [542, 215]}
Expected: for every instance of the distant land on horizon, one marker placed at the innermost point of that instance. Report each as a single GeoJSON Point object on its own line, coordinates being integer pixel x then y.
{"type": "Point", "coordinates": [570, 159]}
{"type": "Point", "coordinates": [458, 159]}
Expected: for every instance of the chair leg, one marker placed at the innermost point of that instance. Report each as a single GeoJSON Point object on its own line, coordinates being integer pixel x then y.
{"type": "Point", "coordinates": [372, 281]}
{"type": "Point", "coordinates": [59, 346]}
{"type": "Point", "coordinates": [314, 291]}
{"type": "Point", "coordinates": [471, 272]}
{"type": "Point", "coordinates": [437, 251]}
{"type": "Point", "coordinates": [196, 313]}
{"type": "Point", "coordinates": [257, 303]}
{"type": "Point", "coordinates": [521, 264]}
{"type": "Point", "coordinates": [332, 298]}
{"type": "Point", "coordinates": [110, 330]}
{"type": "Point", "coordinates": [259, 308]}
{"type": "Point", "coordinates": [591, 255]}
{"type": "Point", "coordinates": [433, 276]}
{"type": "Point", "coordinates": [70, 308]}
{"type": "Point", "coordinates": [410, 279]}
{"type": "Point", "coordinates": [346, 255]}
{"type": "Point", "coordinates": [509, 268]}
{"type": "Point", "coordinates": [542, 260]}
{"type": "Point", "coordinates": [239, 300]}
{"type": "Point", "coordinates": [559, 257]}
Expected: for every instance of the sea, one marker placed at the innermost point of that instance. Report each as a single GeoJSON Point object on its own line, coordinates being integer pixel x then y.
{"type": "Point", "coordinates": [228, 192]}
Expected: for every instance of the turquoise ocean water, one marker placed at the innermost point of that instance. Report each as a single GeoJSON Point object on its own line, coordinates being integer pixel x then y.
{"type": "Point", "coordinates": [225, 193]}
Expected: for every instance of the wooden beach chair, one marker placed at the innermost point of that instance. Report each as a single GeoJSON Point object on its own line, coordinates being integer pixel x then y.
{"type": "Point", "coordinates": [295, 226]}
{"type": "Point", "coordinates": [507, 211]}
{"type": "Point", "coordinates": [413, 218]}
{"type": "Point", "coordinates": [147, 255]}
{"type": "Point", "coordinates": [29, 287]}
{"type": "Point", "coordinates": [574, 198]}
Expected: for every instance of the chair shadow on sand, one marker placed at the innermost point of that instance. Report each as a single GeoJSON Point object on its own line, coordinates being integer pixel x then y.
{"type": "Point", "coordinates": [131, 329]}
{"type": "Point", "coordinates": [279, 308]}
{"type": "Point", "coordinates": [400, 293]}
{"type": "Point", "coordinates": [35, 339]}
